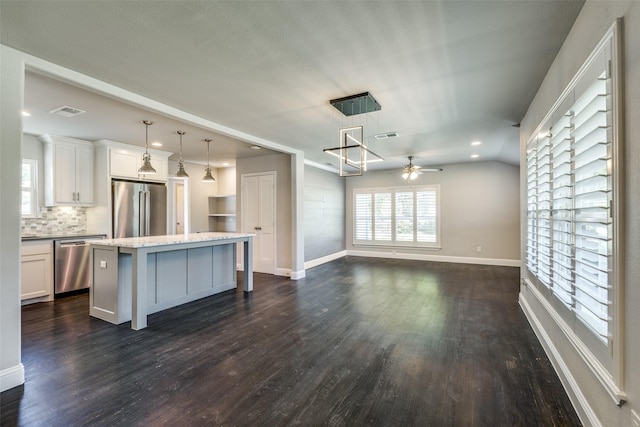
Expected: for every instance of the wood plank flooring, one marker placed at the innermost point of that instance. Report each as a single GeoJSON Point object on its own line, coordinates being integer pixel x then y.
{"type": "Point", "coordinates": [357, 342]}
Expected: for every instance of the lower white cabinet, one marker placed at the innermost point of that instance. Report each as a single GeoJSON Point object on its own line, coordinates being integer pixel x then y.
{"type": "Point", "coordinates": [36, 271]}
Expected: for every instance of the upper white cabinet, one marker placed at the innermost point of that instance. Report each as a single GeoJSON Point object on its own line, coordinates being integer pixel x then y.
{"type": "Point", "coordinates": [125, 160]}
{"type": "Point", "coordinates": [68, 171]}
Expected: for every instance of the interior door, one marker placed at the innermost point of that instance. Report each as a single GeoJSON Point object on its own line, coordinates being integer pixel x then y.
{"type": "Point", "coordinates": [259, 217]}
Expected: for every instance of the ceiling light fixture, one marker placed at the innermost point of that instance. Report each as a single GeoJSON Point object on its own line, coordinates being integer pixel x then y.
{"type": "Point", "coordinates": [411, 171]}
{"type": "Point", "coordinates": [476, 143]}
{"type": "Point", "coordinates": [475, 156]}
{"type": "Point", "coordinates": [207, 176]}
{"type": "Point", "coordinates": [181, 174]}
{"type": "Point", "coordinates": [157, 144]}
{"type": "Point", "coordinates": [255, 147]}
{"type": "Point", "coordinates": [26, 114]}
{"type": "Point", "coordinates": [146, 168]}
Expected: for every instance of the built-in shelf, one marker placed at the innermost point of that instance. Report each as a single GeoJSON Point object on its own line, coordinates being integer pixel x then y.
{"type": "Point", "coordinates": [222, 213]}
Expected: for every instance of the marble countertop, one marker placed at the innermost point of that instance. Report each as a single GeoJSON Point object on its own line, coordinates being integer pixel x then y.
{"type": "Point", "coordinates": [173, 239]}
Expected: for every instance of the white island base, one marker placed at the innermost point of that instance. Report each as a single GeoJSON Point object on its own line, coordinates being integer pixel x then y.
{"type": "Point", "coordinates": [134, 277]}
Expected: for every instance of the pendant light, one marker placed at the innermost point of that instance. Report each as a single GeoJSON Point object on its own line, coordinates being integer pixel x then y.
{"type": "Point", "coordinates": [181, 174]}
{"type": "Point", "coordinates": [207, 176]}
{"type": "Point", "coordinates": [146, 168]}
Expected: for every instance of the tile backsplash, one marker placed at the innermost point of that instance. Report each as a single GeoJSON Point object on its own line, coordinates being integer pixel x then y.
{"type": "Point", "coordinates": [56, 220]}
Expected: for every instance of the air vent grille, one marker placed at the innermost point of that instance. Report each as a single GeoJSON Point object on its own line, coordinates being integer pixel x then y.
{"type": "Point", "coordinates": [67, 111]}
{"type": "Point", "coordinates": [386, 135]}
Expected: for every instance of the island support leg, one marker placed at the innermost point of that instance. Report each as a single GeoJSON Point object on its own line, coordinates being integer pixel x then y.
{"type": "Point", "coordinates": [139, 290]}
{"type": "Point", "coordinates": [248, 265]}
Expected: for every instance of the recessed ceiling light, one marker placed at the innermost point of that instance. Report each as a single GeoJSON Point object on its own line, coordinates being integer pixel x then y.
{"type": "Point", "coordinates": [26, 113]}
{"type": "Point", "coordinates": [157, 144]}
{"type": "Point", "coordinates": [255, 147]}
{"type": "Point", "coordinates": [476, 143]}
{"type": "Point", "coordinates": [225, 164]}
{"type": "Point", "coordinates": [475, 156]}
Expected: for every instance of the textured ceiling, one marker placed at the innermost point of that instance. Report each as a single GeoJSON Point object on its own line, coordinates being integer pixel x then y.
{"type": "Point", "coordinates": [446, 73]}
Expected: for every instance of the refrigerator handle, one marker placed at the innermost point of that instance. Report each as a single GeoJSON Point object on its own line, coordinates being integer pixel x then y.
{"type": "Point", "coordinates": [141, 213]}
{"type": "Point", "coordinates": [147, 213]}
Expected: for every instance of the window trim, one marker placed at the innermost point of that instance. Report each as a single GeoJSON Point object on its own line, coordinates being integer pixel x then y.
{"type": "Point", "coordinates": [33, 189]}
{"type": "Point", "coordinates": [611, 376]}
{"type": "Point", "coordinates": [393, 243]}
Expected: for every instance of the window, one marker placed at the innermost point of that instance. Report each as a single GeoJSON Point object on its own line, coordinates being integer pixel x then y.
{"type": "Point", "coordinates": [397, 216]}
{"type": "Point", "coordinates": [29, 188]}
{"type": "Point", "coordinates": [573, 250]}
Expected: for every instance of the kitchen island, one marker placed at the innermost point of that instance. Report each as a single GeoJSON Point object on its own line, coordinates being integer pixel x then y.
{"type": "Point", "coordinates": [136, 276]}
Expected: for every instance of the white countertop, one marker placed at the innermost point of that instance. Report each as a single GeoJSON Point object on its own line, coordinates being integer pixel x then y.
{"type": "Point", "coordinates": [173, 239]}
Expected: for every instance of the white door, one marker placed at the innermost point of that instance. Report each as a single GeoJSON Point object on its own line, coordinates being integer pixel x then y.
{"type": "Point", "coordinates": [259, 218]}
{"type": "Point", "coordinates": [179, 208]}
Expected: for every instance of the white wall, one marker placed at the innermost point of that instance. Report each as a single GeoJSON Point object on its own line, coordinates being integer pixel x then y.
{"type": "Point", "coordinates": [479, 207]}
{"type": "Point", "coordinates": [594, 405]}
{"type": "Point", "coordinates": [199, 191]}
{"type": "Point", "coordinates": [12, 88]}
{"type": "Point", "coordinates": [281, 163]}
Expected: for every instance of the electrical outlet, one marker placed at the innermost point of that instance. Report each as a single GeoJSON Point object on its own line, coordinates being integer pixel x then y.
{"type": "Point", "coordinates": [103, 264]}
{"type": "Point", "coordinates": [478, 249]}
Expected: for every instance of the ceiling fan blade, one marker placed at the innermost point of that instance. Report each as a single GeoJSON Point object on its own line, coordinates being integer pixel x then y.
{"type": "Point", "coordinates": [431, 169]}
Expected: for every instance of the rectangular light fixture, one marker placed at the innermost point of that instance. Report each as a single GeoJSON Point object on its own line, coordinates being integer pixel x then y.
{"type": "Point", "coordinates": [356, 104]}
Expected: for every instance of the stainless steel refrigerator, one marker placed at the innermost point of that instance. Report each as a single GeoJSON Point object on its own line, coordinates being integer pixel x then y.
{"type": "Point", "coordinates": [139, 209]}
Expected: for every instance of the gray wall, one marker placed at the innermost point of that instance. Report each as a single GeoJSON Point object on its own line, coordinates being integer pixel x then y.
{"type": "Point", "coordinates": [594, 20]}
{"type": "Point", "coordinates": [281, 163]}
{"type": "Point", "coordinates": [324, 213]}
{"type": "Point", "coordinates": [479, 207]}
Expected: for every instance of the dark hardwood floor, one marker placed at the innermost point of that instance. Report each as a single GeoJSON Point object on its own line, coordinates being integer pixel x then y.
{"type": "Point", "coordinates": [358, 342]}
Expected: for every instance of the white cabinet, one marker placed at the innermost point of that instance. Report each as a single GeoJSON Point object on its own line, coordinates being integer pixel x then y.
{"type": "Point", "coordinates": [36, 271]}
{"type": "Point", "coordinates": [68, 169]}
{"type": "Point", "coordinates": [124, 161]}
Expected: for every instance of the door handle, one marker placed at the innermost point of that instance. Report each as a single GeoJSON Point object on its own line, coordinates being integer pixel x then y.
{"type": "Point", "coordinates": [257, 228]}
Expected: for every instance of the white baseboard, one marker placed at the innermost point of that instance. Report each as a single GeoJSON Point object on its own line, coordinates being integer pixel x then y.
{"type": "Point", "coordinates": [322, 260]}
{"type": "Point", "coordinates": [585, 411]}
{"type": "Point", "coordinates": [436, 258]}
{"type": "Point", "coordinates": [11, 377]}
{"type": "Point", "coordinates": [297, 275]}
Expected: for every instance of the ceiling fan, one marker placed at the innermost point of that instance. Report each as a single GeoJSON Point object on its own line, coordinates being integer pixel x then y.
{"type": "Point", "coordinates": [411, 171]}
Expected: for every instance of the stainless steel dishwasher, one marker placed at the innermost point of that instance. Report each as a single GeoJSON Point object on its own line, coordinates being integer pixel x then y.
{"type": "Point", "coordinates": [71, 264]}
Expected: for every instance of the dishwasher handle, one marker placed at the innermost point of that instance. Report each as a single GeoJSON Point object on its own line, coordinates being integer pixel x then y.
{"type": "Point", "coordinates": [74, 243]}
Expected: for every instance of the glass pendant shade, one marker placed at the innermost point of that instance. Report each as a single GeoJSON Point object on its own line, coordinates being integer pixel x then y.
{"type": "Point", "coordinates": [181, 174]}
{"type": "Point", "coordinates": [207, 176]}
{"type": "Point", "coordinates": [146, 168]}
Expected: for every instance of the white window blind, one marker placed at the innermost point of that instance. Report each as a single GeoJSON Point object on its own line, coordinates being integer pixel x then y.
{"type": "Point", "coordinates": [397, 216]}
{"type": "Point", "coordinates": [569, 196]}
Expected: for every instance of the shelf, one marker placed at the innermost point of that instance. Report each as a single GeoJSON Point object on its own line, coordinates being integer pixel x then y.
{"type": "Point", "coordinates": [222, 213]}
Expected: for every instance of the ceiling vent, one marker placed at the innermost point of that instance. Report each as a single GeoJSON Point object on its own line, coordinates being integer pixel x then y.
{"type": "Point", "coordinates": [356, 104]}
{"type": "Point", "coordinates": [66, 111]}
{"type": "Point", "coordinates": [386, 135]}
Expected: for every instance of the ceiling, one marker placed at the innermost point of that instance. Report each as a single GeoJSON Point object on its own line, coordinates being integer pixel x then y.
{"type": "Point", "coordinates": [446, 73]}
